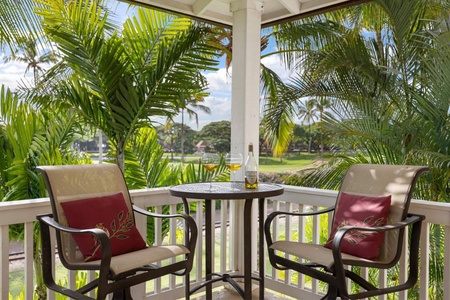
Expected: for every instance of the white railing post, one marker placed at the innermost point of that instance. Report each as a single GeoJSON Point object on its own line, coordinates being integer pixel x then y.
{"type": "Point", "coordinates": [447, 263]}
{"type": "Point", "coordinates": [425, 260]}
{"type": "Point", "coordinates": [4, 262]}
{"type": "Point", "coordinates": [29, 255]}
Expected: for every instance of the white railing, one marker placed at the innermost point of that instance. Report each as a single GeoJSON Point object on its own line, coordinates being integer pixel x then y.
{"type": "Point", "coordinates": [228, 239]}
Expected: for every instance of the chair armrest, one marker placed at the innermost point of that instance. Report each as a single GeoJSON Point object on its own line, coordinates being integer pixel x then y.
{"type": "Point", "coordinates": [48, 221]}
{"type": "Point", "coordinates": [411, 219]}
{"type": "Point", "coordinates": [273, 215]}
{"type": "Point", "coordinates": [154, 215]}
{"type": "Point", "coordinates": [340, 233]}
{"type": "Point", "coordinates": [191, 226]}
{"type": "Point", "coordinates": [189, 220]}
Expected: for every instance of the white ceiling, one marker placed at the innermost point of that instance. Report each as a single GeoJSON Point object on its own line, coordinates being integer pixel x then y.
{"type": "Point", "coordinates": [274, 11]}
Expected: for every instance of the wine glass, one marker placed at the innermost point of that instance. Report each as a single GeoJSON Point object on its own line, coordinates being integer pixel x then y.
{"type": "Point", "coordinates": [233, 161]}
{"type": "Point", "coordinates": [210, 162]}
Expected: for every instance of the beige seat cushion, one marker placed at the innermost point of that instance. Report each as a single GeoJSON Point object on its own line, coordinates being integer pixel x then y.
{"type": "Point", "coordinates": [312, 252]}
{"type": "Point", "coordinates": [153, 254]}
{"type": "Point", "coordinates": [128, 261]}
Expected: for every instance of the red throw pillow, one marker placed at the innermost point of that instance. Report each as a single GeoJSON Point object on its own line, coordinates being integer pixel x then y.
{"type": "Point", "coordinates": [109, 213]}
{"type": "Point", "coordinates": [363, 211]}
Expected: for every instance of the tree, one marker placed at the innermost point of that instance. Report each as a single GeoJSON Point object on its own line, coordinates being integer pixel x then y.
{"type": "Point", "coordinates": [217, 135]}
{"type": "Point", "coordinates": [171, 138]}
{"type": "Point", "coordinates": [33, 58]}
{"type": "Point", "coordinates": [321, 104]}
{"type": "Point", "coordinates": [119, 80]}
{"type": "Point", "coordinates": [189, 104]}
{"type": "Point", "coordinates": [18, 23]}
{"type": "Point", "coordinates": [29, 138]}
{"type": "Point", "coordinates": [308, 114]}
{"type": "Point", "coordinates": [389, 92]}
{"type": "Point", "coordinates": [281, 104]}
{"type": "Point", "coordinates": [270, 82]}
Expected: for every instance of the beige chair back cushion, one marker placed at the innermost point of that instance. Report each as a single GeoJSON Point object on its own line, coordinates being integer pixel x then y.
{"type": "Point", "coordinates": [382, 180]}
{"type": "Point", "coordinates": [73, 182]}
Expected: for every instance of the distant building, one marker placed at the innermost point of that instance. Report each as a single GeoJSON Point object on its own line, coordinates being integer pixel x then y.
{"type": "Point", "coordinates": [200, 147]}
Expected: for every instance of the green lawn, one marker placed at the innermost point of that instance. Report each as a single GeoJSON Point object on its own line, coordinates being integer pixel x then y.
{"type": "Point", "coordinates": [289, 163]}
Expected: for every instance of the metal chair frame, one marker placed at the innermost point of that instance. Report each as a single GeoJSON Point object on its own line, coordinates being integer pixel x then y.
{"type": "Point", "coordinates": [337, 275]}
{"type": "Point", "coordinates": [107, 282]}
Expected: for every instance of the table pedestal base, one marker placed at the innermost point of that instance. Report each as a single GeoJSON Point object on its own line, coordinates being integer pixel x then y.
{"type": "Point", "coordinates": [225, 191]}
{"type": "Point", "coordinates": [225, 278]}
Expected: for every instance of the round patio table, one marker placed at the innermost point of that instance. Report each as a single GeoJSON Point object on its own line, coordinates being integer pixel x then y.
{"type": "Point", "coordinates": [231, 191]}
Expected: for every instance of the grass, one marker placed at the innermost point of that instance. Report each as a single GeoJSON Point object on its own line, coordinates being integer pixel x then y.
{"type": "Point", "coordinates": [289, 163]}
{"type": "Point", "coordinates": [17, 278]}
{"type": "Point", "coordinates": [268, 164]}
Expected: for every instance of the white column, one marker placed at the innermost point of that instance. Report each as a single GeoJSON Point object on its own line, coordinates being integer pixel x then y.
{"type": "Point", "coordinates": [245, 101]}
{"type": "Point", "coordinates": [245, 77]}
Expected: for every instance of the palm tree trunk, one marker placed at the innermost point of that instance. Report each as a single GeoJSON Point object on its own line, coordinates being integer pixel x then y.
{"type": "Point", "coordinates": [310, 139]}
{"type": "Point", "coordinates": [40, 289]}
{"type": "Point", "coordinates": [182, 135]}
{"type": "Point", "coordinates": [120, 153]}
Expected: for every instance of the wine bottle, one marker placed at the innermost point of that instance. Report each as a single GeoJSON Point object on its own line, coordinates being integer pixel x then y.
{"type": "Point", "coordinates": [251, 170]}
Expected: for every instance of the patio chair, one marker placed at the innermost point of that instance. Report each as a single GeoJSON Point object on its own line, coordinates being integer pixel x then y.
{"type": "Point", "coordinates": [368, 226]}
{"type": "Point", "coordinates": [94, 220]}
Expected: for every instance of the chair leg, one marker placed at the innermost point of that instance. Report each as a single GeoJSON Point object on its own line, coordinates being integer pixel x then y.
{"type": "Point", "coordinates": [187, 287]}
{"type": "Point", "coordinates": [124, 294]}
{"type": "Point", "coordinates": [332, 293]}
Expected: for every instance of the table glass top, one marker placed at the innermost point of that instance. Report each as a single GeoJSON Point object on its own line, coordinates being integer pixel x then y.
{"type": "Point", "coordinates": [228, 190]}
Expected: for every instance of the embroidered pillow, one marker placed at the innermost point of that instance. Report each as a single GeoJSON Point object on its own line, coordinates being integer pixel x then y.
{"type": "Point", "coordinates": [109, 213]}
{"type": "Point", "coordinates": [363, 211]}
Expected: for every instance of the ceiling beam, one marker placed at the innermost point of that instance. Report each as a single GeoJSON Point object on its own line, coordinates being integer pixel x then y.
{"type": "Point", "coordinates": [291, 5]}
{"type": "Point", "coordinates": [314, 11]}
{"type": "Point", "coordinates": [200, 6]}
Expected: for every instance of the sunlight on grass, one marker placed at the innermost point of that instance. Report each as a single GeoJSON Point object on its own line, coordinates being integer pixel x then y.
{"type": "Point", "coordinates": [268, 164]}
{"type": "Point", "coordinates": [292, 162]}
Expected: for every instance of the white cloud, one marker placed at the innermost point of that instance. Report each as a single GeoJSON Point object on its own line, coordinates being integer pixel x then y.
{"type": "Point", "coordinates": [12, 73]}
{"type": "Point", "coordinates": [220, 110]}
{"type": "Point", "coordinates": [219, 81]}
{"type": "Point", "coordinates": [219, 100]}
{"type": "Point", "coordinates": [274, 63]}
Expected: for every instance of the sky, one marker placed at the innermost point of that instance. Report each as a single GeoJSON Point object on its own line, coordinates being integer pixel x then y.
{"type": "Point", "coordinates": [219, 99]}
{"type": "Point", "coordinates": [12, 73]}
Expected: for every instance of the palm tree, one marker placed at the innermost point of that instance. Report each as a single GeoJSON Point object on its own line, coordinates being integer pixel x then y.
{"type": "Point", "coordinates": [308, 113]}
{"type": "Point", "coordinates": [189, 104]}
{"type": "Point", "coordinates": [389, 96]}
{"type": "Point", "coordinates": [119, 80]}
{"type": "Point", "coordinates": [321, 104]}
{"type": "Point", "coordinates": [19, 23]}
{"type": "Point", "coordinates": [33, 58]}
{"type": "Point", "coordinates": [279, 115]}
{"type": "Point", "coordinates": [31, 137]}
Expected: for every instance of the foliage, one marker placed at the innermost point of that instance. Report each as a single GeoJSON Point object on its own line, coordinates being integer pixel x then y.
{"type": "Point", "coordinates": [18, 24]}
{"type": "Point", "coordinates": [217, 135]}
{"type": "Point", "coordinates": [115, 81]}
{"type": "Point", "coordinates": [119, 80]}
{"type": "Point", "coordinates": [389, 89]}
{"type": "Point", "coordinates": [392, 117]}
{"type": "Point", "coordinates": [170, 137]}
